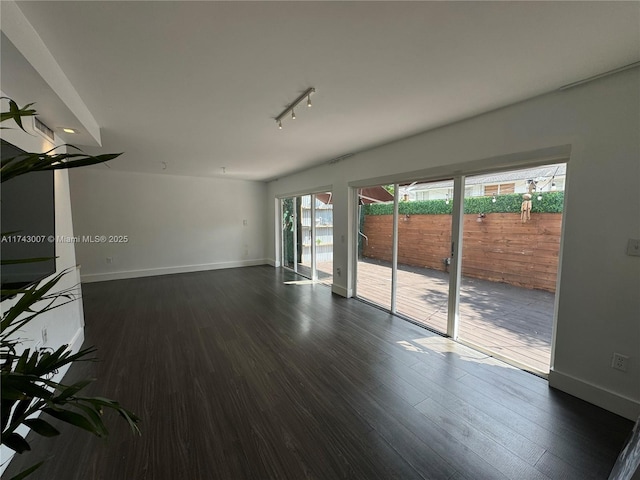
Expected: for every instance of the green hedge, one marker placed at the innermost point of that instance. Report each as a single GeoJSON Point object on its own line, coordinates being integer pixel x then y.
{"type": "Point", "coordinates": [552, 202]}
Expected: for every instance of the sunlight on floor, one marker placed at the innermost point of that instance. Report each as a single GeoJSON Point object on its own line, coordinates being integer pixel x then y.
{"type": "Point", "coordinates": [441, 345]}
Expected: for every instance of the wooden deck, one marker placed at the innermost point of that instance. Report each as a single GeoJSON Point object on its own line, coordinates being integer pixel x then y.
{"type": "Point", "coordinates": [512, 322]}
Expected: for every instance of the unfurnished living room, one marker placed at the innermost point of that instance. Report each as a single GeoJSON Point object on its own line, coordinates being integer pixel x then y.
{"type": "Point", "coordinates": [323, 240]}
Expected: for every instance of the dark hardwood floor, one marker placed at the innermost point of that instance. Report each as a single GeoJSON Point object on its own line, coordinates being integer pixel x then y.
{"type": "Point", "coordinates": [238, 376]}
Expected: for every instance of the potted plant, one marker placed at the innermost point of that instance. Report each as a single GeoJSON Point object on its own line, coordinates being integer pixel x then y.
{"type": "Point", "coordinates": [30, 396]}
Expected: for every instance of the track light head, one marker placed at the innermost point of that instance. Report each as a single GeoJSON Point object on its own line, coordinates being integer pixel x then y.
{"type": "Point", "coordinates": [290, 109]}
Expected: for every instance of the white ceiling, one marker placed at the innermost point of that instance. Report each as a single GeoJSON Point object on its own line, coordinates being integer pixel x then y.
{"type": "Point", "coordinates": [197, 84]}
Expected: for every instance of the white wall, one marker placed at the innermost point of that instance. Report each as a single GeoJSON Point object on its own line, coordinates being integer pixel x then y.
{"type": "Point", "coordinates": [599, 299]}
{"type": "Point", "coordinates": [65, 324]}
{"type": "Point", "coordinates": [173, 223]}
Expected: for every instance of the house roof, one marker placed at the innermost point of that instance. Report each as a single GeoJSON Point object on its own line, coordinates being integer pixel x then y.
{"type": "Point", "coordinates": [538, 173]}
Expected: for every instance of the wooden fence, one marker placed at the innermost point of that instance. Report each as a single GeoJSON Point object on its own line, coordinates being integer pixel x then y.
{"type": "Point", "coordinates": [500, 248]}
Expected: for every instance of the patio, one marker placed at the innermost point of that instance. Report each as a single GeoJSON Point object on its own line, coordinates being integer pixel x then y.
{"type": "Point", "coordinates": [512, 322]}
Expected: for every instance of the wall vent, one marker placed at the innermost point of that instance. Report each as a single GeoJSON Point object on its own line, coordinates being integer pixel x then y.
{"type": "Point", "coordinates": [340, 158]}
{"type": "Point", "coordinates": [43, 129]}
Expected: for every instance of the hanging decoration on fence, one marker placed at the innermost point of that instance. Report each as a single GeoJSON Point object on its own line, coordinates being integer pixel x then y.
{"type": "Point", "coordinates": [525, 208]}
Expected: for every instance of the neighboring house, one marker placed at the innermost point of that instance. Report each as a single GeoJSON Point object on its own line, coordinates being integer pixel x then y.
{"type": "Point", "coordinates": [545, 179]}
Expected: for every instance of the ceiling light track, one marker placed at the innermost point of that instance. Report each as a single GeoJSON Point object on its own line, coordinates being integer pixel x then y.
{"type": "Point", "coordinates": [290, 109]}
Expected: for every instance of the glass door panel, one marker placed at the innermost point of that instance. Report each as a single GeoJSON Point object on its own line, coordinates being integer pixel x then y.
{"type": "Point", "coordinates": [510, 249]}
{"type": "Point", "coordinates": [305, 266]}
{"type": "Point", "coordinates": [324, 237]}
{"type": "Point", "coordinates": [288, 209]}
{"type": "Point", "coordinates": [307, 235]}
{"type": "Point", "coordinates": [375, 239]}
{"type": "Point", "coordinates": [424, 249]}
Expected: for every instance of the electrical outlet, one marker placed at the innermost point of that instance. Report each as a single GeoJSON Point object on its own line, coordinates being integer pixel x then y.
{"type": "Point", "coordinates": [109, 259]}
{"type": "Point", "coordinates": [45, 335]}
{"type": "Point", "coordinates": [339, 271]}
{"type": "Point", "coordinates": [619, 362]}
{"type": "Point", "coordinates": [633, 247]}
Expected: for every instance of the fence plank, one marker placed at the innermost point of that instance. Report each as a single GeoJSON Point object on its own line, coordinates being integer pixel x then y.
{"type": "Point", "coordinates": [500, 248]}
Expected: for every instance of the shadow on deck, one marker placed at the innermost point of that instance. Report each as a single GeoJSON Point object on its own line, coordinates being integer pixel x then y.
{"type": "Point", "coordinates": [512, 322]}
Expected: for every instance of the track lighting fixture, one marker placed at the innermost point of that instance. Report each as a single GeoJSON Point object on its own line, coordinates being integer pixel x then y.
{"type": "Point", "coordinates": [306, 94]}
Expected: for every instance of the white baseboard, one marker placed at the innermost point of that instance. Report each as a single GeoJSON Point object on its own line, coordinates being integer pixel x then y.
{"type": "Point", "coordinates": [272, 262]}
{"type": "Point", "coordinates": [76, 342]}
{"type": "Point", "coordinates": [611, 401]}
{"type": "Point", "coordinates": [152, 272]}
{"type": "Point", "coordinates": [343, 292]}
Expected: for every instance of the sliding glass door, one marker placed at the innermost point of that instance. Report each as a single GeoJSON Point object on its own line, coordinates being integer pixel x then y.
{"type": "Point", "coordinates": [307, 235]}
{"type": "Point", "coordinates": [510, 251]}
{"type": "Point", "coordinates": [505, 227]}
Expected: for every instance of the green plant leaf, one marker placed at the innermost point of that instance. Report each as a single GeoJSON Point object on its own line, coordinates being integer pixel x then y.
{"type": "Point", "coordinates": [10, 394]}
{"type": "Point", "coordinates": [74, 419]}
{"type": "Point", "coordinates": [72, 390]}
{"type": "Point", "coordinates": [27, 301]}
{"type": "Point", "coordinates": [35, 162]}
{"type": "Point", "coordinates": [16, 442]}
{"type": "Point", "coordinates": [16, 113]}
{"type": "Point", "coordinates": [41, 427]}
{"type": "Point", "coordinates": [27, 472]}
{"type": "Point", "coordinates": [131, 418]}
{"type": "Point", "coordinates": [18, 415]}
{"type": "Point", "coordinates": [25, 260]}
{"type": "Point", "coordinates": [552, 202]}
{"type": "Point", "coordinates": [96, 418]}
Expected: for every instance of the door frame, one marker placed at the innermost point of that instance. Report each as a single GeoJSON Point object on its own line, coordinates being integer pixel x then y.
{"type": "Point", "coordinates": [518, 161]}
{"type": "Point", "coordinates": [313, 233]}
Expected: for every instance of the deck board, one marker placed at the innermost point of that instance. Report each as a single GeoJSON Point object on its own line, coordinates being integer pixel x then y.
{"type": "Point", "coordinates": [513, 322]}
